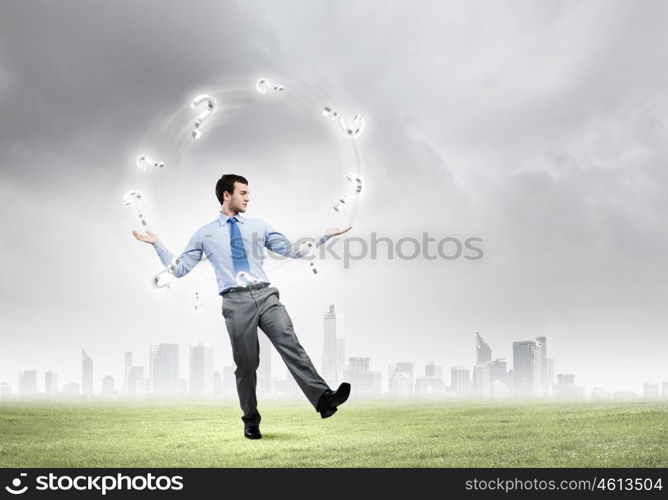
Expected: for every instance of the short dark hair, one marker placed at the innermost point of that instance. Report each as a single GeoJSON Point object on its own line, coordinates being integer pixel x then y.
{"type": "Point", "coordinates": [226, 183]}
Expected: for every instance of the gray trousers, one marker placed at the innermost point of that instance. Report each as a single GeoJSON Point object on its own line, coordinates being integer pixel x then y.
{"type": "Point", "coordinates": [244, 311]}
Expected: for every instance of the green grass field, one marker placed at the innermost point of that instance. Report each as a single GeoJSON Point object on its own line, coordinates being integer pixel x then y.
{"type": "Point", "coordinates": [380, 434]}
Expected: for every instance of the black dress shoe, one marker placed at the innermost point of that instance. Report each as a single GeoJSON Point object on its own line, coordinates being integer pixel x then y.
{"type": "Point", "coordinates": [252, 432]}
{"type": "Point", "coordinates": [330, 400]}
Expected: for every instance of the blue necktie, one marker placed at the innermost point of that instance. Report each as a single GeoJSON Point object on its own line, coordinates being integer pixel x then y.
{"type": "Point", "coordinates": [239, 257]}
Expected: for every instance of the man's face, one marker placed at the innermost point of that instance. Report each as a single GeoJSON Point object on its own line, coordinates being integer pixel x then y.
{"type": "Point", "coordinates": [240, 198]}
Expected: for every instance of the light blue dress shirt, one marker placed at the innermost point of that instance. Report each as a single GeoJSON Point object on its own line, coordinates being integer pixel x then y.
{"type": "Point", "coordinates": [213, 240]}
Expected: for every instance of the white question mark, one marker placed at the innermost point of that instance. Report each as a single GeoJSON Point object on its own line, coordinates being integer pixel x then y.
{"type": "Point", "coordinates": [137, 198]}
{"type": "Point", "coordinates": [307, 252]}
{"type": "Point", "coordinates": [356, 193]}
{"type": "Point", "coordinates": [245, 279]}
{"type": "Point", "coordinates": [143, 162]}
{"type": "Point", "coordinates": [210, 107]}
{"type": "Point", "coordinates": [159, 281]}
{"type": "Point", "coordinates": [347, 131]}
{"type": "Point", "coordinates": [263, 85]}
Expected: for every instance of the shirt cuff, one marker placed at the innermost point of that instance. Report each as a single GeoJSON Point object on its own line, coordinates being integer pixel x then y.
{"type": "Point", "coordinates": [323, 239]}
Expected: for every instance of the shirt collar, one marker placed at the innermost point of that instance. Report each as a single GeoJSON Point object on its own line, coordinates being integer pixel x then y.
{"type": "Point", "coordinates": [222, 218]}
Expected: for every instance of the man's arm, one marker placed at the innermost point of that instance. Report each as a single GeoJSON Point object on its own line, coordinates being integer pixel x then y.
{"type": "Point", "coordinates": [279, 243]}
{"type": "Point", "coordinates": [185, 262]}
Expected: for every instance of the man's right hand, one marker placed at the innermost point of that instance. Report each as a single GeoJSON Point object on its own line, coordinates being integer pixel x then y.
{"type": "Point", "coordinates": [149, 237]}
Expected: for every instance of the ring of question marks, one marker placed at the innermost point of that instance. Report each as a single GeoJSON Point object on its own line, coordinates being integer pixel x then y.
{"type": "Point", "coordinates": [208, 104]}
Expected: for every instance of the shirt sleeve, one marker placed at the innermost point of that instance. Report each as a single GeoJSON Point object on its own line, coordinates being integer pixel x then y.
{"type": "Point", "coordinates": [279, 243]}
{"type": "Point", "coordinates": [185, 262]}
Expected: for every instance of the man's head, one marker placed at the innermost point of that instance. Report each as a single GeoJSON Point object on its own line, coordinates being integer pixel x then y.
{"type": "Point", "coordinates": [232, 192]}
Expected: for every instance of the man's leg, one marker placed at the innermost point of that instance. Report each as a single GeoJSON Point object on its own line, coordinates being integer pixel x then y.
{"type": "Point", "coordinates": [241, 320]}
{"type": "Point", "coordinates": [276, 323]}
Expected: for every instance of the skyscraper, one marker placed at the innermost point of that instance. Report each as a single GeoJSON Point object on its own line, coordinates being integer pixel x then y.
{"type": "Point", "coordinates": [431, 369]}
{"type": "Point", "coordinates": [498, 370]}
{"type": "Point", "coordinates": [524, 368]}
{"type": "Point", "coordinates": [127, 367]}
{"type": "Point", "coordinates": [201, 371]}
{"type": "Point", "coordinates": [5, 391]}
{"type": "Point", "coordinates": [650, 390]}
{"type": "Point", "coordinates": [329, 353]}
{"type": "Point", "coordinates": [108, 385]}
{"type": "Point", "coordinates": [367, 382]}
{"type": "Point", "coordinates": [86, 373]}
{"type": "Point", "coordinates": [483, 353]}
{"type": "Point", "coordinates": [544, 366]}
{"type": "Point", "coordinates": [460, 381]}
{"type": "Point", "coordinates": [28, 384]}
{"type": "Point", "coordinates": [400, 377]}
{"type": "Point", "coordinates": [482, 383]}
{"type": "Point", "coordinates": [431, 385]}
{"type": "Point", "coordinates": [165, 369]}
{"type": "Point", "coordinates": [565, 387]}
{"type": "Point", "coordinates": [136, 383]}
{"type": "Point", "coordinates": [50, 382]}
{"type": "Point", "coordinates": [229, 382]}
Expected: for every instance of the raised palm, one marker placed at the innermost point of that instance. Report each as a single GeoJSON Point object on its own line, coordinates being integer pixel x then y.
{"type": "Point", "coordinates": [149, 237]}
{"type": "Point", "coordinates": [335, 231]}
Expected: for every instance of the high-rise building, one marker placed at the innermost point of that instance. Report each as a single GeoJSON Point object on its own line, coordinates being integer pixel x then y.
{"type": "Point", "coordinates": [431, 369]}
{"type": "Point", "coordinates": [201, 371]}
{"type": "Point", "coordinates": [483, 353]}
{"type": "Point", "coordinates": [229, 381]}
{"type": "Point", "coordinates": [565, 387]}
{"type": "Point", "coordinates": [182, 386]}
{"type": "Point", "coordinates": [287, 387]}
{"type": "Point", "coordinates": [71, 389]}
{"type": "Point", "coordinates": [50, 382]}
{"type": "Point", "coordinates": [544, 366]}
{"type": "Point", "coordinates": [28, 384]}
{"type": "Point", "coordinates": [165, 369]}
{"type": "Point", "coordinates": [432, 384]}
{"type": "Point", "coordinates": [264, 368]}
{"type": "Point", "coordinates": [650, 391]}
{"type": "Point", "coordinates": [218, 384]}
{"type": "Point", "coordinates": [366, 382]}
{"type": "Point", "coordinates": [400, 377]}
{"type": "Point", "coordinates": [460, 381]}
{"type": "Point", "coordinates": [498, 370]}
{"type": "Point", "coordinates": [333, 354]}
{"type": "Point", "coordinates": [127, 367]}
{"type": "Point", "coordinates": [5, 391]}
{"type": "Point", "coordinates": [482, 383]}
{"type": "Point", "coordinates": [340, 358]}
{"type": "Point", "coordinates": [136, 383]}
{"type": "Point", "coordinates": [86, 373]}
{"type": "Point", "coordinates": [108, 385]}
{"type": "Point", "coordinates": [524, 368]}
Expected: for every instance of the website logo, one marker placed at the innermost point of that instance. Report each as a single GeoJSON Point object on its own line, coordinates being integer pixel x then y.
{"type": "Point", "coordinates": [16, 483]}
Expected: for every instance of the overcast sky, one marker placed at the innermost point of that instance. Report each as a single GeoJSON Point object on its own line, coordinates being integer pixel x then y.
{"type": "Point", "coordinates": [540, 127]}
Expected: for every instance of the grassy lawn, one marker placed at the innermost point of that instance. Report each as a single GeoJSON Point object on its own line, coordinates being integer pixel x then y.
{"type": "Point", "coordinates": [373, 434]}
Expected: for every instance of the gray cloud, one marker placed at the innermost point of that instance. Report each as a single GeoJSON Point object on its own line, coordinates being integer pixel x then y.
{"type": "Point", "coordinates": [540, 127]}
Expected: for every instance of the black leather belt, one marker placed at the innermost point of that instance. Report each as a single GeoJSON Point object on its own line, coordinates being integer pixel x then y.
{"type": "Point", "coordinates": [257, 286]}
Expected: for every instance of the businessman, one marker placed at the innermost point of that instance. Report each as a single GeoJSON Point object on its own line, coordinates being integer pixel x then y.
{"type": "Point", "coordinates": [226, 243]}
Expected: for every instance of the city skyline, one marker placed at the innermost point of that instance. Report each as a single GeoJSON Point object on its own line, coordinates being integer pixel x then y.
{"type": "Point", "coordinates": [532, 374]}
